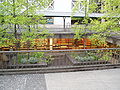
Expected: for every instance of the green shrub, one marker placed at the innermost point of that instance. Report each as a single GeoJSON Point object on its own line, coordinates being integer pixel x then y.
{"type": "Point", "coordinates": [93, 56]}
{"type": "Point", "coordinates": [23, 61]}
{"type": "Point", "coordinates": [86, 58]}
{"type": "Point", "coordinates": [33, 60]}
{"type": "Point", "coordinates": [49, 58]}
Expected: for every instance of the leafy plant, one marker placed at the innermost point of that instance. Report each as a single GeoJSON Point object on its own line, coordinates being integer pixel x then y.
{"type": "Point", "coordinates": [37, 54]}
{"type": "Point", "coordinates": [35, 57]}
{"type": "Point", "coordinates": [87, 58]}
{"type": "Point", "coordinates": [95, 55]}
{"type": "Point", "coordinates": [33, 60]}
{"type": "Point", "coordinates": [23, 61]}
{"type": "Point", "coordinates": [49, 59]}
{"type": "Point", "coordinates": [106, 56]}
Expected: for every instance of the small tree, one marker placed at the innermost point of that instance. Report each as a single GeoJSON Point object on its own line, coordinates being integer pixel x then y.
{"type": "Point", "coordinates": [18, 17]}
{"type": "Point", "coordinates": [100, 30]}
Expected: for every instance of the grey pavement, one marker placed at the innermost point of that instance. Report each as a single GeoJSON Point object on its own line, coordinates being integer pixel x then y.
{"type": "Point", "coordinates": [83, 80]}
{"type": "Point", "coordinates": [23, 82]}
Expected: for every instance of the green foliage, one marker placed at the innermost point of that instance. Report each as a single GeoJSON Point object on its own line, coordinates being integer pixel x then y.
{"type": "Point", "coordinates": [37, 54]}
{"type": "Point", "coordinates": [23, 14]}
{"type": "Point", "coordinates": [101, 27]}
{"type": "Point", "coordinates": [49, 59]}
{"type": "Point", "coordinates": [92, 56]}
{"type": "Point", "coordinates": [31, 60]}
{"type": "Point", "coordinates": [34, 58]}
{"type": "Point", "coordinates": [23, 61]}
{"type": "Point", "coordinates": [112, 7]}
{"type": "Point", "coordinates": [88, 58]}
{"type": "Point", "coordinates": [106, 56]}
{"type": "Point", "coordinates": [79, 31]}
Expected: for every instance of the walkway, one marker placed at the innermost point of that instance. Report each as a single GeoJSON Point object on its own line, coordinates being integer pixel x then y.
{"type": "Point", "coordinates": [84, 80]}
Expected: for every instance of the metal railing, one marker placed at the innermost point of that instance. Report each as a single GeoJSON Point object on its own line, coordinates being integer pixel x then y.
{"type": "Point", "coordinates": [58, 58]}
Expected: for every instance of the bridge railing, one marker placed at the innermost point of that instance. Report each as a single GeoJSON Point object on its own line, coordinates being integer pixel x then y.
{"type": "Point", "coordinates": [58, 58]}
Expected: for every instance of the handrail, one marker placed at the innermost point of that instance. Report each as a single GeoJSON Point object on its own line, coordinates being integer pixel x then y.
{"type": "Point", "coordinates": [68, 50]}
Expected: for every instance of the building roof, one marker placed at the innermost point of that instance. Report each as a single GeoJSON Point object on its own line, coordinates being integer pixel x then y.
{"type": "Point", "coordinates": [68, 14]}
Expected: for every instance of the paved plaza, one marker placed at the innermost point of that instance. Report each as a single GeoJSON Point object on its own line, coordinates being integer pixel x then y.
{"type": "Point", "coordinates": [83, 80]}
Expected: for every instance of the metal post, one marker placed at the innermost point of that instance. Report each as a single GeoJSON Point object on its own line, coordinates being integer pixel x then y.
{"type": "Point", "coordinates": [64, 22]}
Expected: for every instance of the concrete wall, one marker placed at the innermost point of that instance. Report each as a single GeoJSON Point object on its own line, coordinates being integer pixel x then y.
{"type": "Point", "coordinates": [62, 6]}
{"type": "Point", "coordinates": [60, 21]}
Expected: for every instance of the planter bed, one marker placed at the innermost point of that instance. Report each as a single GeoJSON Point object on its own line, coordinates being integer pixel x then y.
{"type": "Point", "coordinates": [75, 62]}
{"type": "Point", "coordinates": [60, 59]}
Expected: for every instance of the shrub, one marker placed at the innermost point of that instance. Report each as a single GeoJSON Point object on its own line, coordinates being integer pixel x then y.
{"type": "Point", "coordinates": [23, 61]}
{"type": "Point", "coordinates": [33, 60]}
{"type": "Point", "coordinates": [86, 58]}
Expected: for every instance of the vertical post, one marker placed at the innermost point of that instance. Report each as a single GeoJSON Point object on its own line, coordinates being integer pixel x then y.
{"type": "Point", "coordinates": [51, 44]}
{"type": "Point", "coordinates": [64, 22]}
{"type": "Point", "coordinates": [85, 24]}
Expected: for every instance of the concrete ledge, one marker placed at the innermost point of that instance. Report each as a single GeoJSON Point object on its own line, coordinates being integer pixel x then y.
{"type": "Point", "coordinates": [58, 69]}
